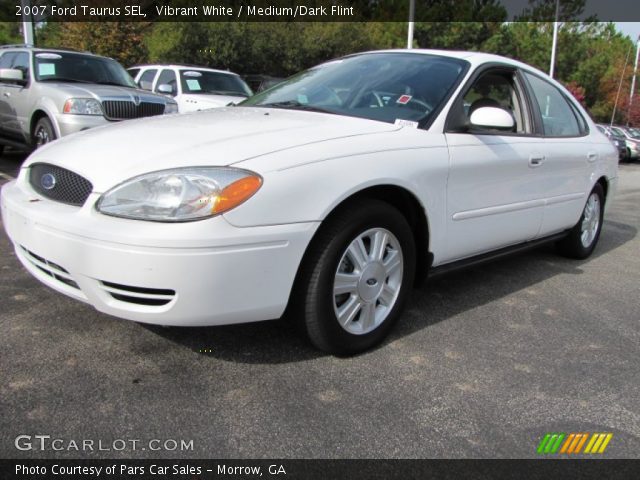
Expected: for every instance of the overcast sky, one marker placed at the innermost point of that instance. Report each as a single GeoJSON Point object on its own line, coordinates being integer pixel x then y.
{"type": "Point", "coordinates": [630, 28]}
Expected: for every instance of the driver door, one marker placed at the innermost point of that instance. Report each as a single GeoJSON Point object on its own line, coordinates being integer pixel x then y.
{"type": "Point", "coordinates": [492, 201]}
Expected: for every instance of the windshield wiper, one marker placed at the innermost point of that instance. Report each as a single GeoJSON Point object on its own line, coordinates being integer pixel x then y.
{"type": "Point", "coordinates": [63, 79]}
{"type": "Point", "coordinates": [296, 105]}
{"type": "Point", "coordinates": [115, 83]}
{"type": "Point", "coordinates": [221, 92]}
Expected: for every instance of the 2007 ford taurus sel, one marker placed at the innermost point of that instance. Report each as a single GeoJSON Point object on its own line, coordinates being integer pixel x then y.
{"type": "Point", "coordinates": [328, 194]}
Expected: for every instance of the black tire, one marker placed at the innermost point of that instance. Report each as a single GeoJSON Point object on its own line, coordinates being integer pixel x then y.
{"type": "Point", "coordinates": [1, 150]}
{"type": "Point", "coordinates": [572, 245]}
{"type": "Point", "coordinates": [316, 302]}
{"type": "Point", "coordinates": [43, 133]}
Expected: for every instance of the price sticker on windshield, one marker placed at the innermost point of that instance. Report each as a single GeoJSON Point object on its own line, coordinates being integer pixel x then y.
{"type": "Point", "coordinates": [404, 99]}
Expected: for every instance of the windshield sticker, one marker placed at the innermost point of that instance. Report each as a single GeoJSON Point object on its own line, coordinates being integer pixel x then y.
{"type": "Point", "coordinates": [302, 99]}
{"type": "Point", "coordinates": [48, 56]}
{"type": "Point", "coordinates": [191, 73]}
{"type": "Point", "coordinates": [45, 69]}
{"type": "Point", "coordinates": [194, 85]}
{"type": "Point", "coordinates": [404, 99]}
{"type": "Point", "coordinates": [405, 123]}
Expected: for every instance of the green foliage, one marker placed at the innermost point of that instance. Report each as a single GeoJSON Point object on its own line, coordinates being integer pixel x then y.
{"type": "Point", "coordinates": [10, 33]}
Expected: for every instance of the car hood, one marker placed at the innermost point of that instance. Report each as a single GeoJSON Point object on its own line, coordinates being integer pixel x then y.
{"type": "Point", "coordinates": [205, 100]}
{"type": "Point", "coordinates": [111, 154]}
{"type": "Point", "coordinates": [105, 92]}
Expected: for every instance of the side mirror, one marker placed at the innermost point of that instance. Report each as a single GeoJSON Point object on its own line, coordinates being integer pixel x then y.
{"type": "Point", "coordinates": [165, 88]}
{"type": "Point", "coordinates": [11, 75]}
{"type": "Point", "coordinates": [492, 117]}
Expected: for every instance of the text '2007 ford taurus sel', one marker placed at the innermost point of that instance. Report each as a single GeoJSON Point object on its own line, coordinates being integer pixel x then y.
{"type": "Point", "coordinates": [327, 195]}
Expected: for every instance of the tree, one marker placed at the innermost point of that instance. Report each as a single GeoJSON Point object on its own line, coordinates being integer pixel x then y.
{"type": "Point", "coordinates": [120, 40]}
{"type": "Point", "coordinates": [10, 33]}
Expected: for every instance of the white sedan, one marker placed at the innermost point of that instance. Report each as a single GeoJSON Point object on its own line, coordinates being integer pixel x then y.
{"type": "Point", "coordinates": [326, 196]}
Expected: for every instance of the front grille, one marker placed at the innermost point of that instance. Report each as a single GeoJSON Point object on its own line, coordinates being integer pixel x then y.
{"type": "Point", "coordinates": [49, 268]}
{"type": "Point", "coordinates": [125, 110]}
{"type": "Point", "coordinates": [59, 184]}
{"type": "Point", "coordinates": [154, 297]}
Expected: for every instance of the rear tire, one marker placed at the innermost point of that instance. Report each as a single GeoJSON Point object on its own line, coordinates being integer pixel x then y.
{"type": "Point", "coordinates": [355, 277]}
{"type": "Point", "coordinates": [43, 133]}
{"type": "Point", "coordinates": [584, 236]}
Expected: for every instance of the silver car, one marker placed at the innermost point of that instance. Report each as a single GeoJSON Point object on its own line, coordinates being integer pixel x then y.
{"type": "Point", "coordinates": [49, 93]}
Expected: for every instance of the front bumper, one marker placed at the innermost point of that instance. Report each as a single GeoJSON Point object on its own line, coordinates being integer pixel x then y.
{"type": "Point", "coordinates": [195, 273]}
{"type": "Point", "coordinates": [66, 124]}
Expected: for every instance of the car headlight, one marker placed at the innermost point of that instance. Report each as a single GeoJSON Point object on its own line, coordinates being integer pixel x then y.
{"type": "Point", "coordinates": [181, 194]}
{"type": "Point", "coordinates": [82, 106]}
{"type": "Point", "coordinates": [171, 107]}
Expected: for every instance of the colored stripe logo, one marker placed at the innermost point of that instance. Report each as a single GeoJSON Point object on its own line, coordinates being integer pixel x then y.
{"type": "Point", "coordinates": [573, 443]}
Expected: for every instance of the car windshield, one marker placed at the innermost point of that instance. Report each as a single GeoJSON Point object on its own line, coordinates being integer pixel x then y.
{"type": "Point", "coordinates": [380, 86]}
{"type": "Point", "coordinates": [617, 131]}
{"type": "Point", "coordinates": [79, 68]}
{"type": "Point", "coordinates": [203, 81]}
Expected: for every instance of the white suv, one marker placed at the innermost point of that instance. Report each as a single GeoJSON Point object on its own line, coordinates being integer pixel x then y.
{"type": "Point", "coordinates": [193, 88]}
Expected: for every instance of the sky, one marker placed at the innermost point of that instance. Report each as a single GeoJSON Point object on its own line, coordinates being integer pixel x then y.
{"type": "Point", "coordinates": [629, 28]}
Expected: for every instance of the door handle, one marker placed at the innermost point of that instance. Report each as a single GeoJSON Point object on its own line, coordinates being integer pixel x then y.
{"type": "Point", "coordinates": [536, 160]}
{"type": "Point", "coordinates": [7, 94]}
{"type": "Point", "coordinates": [592, 156]}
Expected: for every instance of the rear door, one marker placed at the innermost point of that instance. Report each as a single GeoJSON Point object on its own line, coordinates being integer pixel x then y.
{"type": "Point", "coordinates": [569, 156]}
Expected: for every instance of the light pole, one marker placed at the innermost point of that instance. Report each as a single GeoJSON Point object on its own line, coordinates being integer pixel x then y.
{"type": "Point", "coordinates": [633, 79]}
{"type": "Point", "coordinates": [555, 40]}
{"type": "Point", "coordinates": [27, 24]}
{"type": "Point", "coordinates": [412, 9]}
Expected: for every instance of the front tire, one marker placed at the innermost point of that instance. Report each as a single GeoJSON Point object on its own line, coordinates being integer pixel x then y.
{"type": "Point", "coordinates": [584, 236]}
{"type": "Point", "coordinates": [43, 133]}
{"type": "Point", "coordinates": [356, 276]}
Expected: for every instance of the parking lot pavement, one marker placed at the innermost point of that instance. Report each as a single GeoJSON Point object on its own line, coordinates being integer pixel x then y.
{"type": "Point", "coordinates": [483, 364]}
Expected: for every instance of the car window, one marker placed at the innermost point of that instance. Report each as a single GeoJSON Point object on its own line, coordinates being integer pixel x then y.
{"type": "Point", "coordinates": [133, 72]}
{"type": "Point", "coordinates": [203, 81]}
{"type": "Point", "coordinates": [6, 59]}
{"type": "Point", "coordinates": [558, 117]}
{"type": "Point", "coordinates": [386, 87]}
{"type": "Point", "coordinates": [167, 77]}
{"type": "Point", "coordinates": [146, 79]}
{"type": "Point", "coordinates": [496, 88]}
{"type": "Point", "coordinates": [21, 62]}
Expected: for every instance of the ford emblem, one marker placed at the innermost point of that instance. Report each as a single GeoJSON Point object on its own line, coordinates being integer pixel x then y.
{"type": "Point", "coordinates": [48, 181]}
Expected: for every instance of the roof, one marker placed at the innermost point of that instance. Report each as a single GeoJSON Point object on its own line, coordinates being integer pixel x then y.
{"type": "Point", "coordinates": [182, 67]}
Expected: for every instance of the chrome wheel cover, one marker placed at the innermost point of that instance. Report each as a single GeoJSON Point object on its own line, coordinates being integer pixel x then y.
{"type": "Point", "coordinates": [368, 281]}
{"type": "Point", "coordinates": [590, 221]}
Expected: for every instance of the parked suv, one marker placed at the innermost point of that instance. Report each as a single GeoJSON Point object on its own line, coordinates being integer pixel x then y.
{"type": "Point", "coordinates": [49, 93]}
{"type": "Point", "coordinates": [193, 88]}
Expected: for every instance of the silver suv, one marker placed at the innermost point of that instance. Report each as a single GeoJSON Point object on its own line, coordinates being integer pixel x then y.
{"type": "Point", "coordinates": [49, 93]}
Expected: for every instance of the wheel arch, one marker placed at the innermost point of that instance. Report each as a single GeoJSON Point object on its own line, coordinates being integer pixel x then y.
{"type": "Point", "coordinates": [35, 117]}
{"type": "Point", "coordinates": [407, 203]}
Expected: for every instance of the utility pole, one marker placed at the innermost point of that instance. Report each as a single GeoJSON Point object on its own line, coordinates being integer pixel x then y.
{"type": "Point", "coordinates": [412, 11]}
{"type": "Point", "coordinates": [27, 24]}
{"type": "Point", "coordinates": [554, 45]}
{"type": "Point", "coordinates": [633, 79]}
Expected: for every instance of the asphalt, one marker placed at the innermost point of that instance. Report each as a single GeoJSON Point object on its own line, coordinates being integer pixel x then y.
{"type": "Point", "coordinates": [483, 363]}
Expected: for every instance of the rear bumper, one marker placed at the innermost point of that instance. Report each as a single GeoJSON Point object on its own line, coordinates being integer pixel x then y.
{"type": "Point", "coordinates": [196, 273]}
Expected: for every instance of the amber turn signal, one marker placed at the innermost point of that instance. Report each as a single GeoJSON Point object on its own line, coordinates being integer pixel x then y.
{"type": "Point", "coordinates": [236, 193]}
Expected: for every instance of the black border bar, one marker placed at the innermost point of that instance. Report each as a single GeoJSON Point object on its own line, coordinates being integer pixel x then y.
{"type": "Point", "coordinates": [321, 10]}
{"type": "Point", "coordinates": [182, 469]}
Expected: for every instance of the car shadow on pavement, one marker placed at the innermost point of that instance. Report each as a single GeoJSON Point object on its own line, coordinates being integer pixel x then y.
{"type": "Point", "coordinates": [437, 300]}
